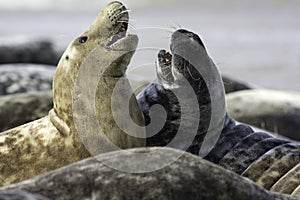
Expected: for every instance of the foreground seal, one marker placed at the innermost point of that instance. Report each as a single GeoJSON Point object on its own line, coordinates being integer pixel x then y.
{"type": "Point", "coordinates": [189, 177]}
{"type": "Point", "coordinates": [52, 141]}
{"type": "Point", "coordinates": [271, 162]}
{"type": "Point", "coordinates": [272, 110]}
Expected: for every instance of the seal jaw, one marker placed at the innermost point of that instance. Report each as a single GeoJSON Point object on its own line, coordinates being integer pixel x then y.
{"type": "Point", "coordinates": [119, 18]}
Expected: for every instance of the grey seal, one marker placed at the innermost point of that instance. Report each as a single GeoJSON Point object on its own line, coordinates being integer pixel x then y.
{"type": "Point", "coordinates": [238, 148]}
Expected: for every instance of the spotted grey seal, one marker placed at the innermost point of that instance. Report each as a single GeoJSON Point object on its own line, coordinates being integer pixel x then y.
{"type": "Point", "coordinates": [272, 110]}
{"type": "Point", "coordinates": [21, 78]}
{"type": "Point", "coordinates": [189, 177]}
{"type": "Point", "coordinates": [53, 141]}
{"type": "Point", "coordinates": [253, 154]}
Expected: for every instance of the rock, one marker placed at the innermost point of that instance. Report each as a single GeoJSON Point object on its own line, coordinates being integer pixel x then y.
{"type": "Point", "coordinates": [20, 196]}
{"type": "Point", "coordinates": [19, 78]}
{"type": "Point", "coordinates": [275, 111]}
{"type": "Point", "coordinates": [29, 50]}
{"type": "Point", "coordinates": [188, 177]}
{"type": "Point", "coordinates": [234, 85]}
{"type": "Point", "coordinates": [19, 109]}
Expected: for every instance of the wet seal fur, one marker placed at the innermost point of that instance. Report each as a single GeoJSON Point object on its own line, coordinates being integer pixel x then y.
{"type": "Point", "coordinates": [52, 141]}
{"type": "Point", "coordinates": [271, 162]}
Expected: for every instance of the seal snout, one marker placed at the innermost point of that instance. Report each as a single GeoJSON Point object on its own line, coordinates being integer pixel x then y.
{"type": "Point", "coordinates": [119, 18]}
{"type": "Point", "coordinates": [185, 46]}
{"type": "Point", "coordinates": [183, 36]}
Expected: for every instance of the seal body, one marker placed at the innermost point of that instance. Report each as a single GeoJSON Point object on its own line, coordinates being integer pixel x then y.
{"type": "Point", "coordinates": [53, 141]}
{"type": "Point", "coordinates": [271, 162]}
{"type": "Point", "coordinates": [21, 78]}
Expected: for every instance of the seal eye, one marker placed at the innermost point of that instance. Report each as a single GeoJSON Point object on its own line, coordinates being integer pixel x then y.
{"type": "Point", "coordinates": [83, 39]}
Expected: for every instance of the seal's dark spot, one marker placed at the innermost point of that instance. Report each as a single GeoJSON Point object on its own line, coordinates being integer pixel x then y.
{"type": "Point", "coordinates": [67, 57]}
{"type": "Point", "coordinates": [83, 39]}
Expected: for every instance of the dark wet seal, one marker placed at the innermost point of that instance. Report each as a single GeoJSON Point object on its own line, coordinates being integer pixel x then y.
{"type": "Point", "coordinates": [227, 141]}
{"type": "Point", "coordinates": [153, 95]}
{"type": "Point", "coordinates": [255, 151]}
{"type": "Point", "coordinates": [257, 168]}
{"type": "Point", "coordinates": [278, 169]}
{"type": "Point", "coordinates": [240, 150]}
{"type": "Point", "coordinates": [172, 72]}
{"type": "Point", "coordinates": [289, 182]}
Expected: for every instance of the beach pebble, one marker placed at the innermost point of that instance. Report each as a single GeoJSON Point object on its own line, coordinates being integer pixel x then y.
{"type": "Point", "coordinates": [272, 110]}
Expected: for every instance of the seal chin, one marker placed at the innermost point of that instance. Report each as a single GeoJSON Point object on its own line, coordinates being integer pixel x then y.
{"type": "Point", "coordinates": [127, 43]}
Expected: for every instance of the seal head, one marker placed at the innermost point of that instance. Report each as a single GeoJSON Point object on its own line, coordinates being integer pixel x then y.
{"type": "Point", "coordinates": [108, 31]}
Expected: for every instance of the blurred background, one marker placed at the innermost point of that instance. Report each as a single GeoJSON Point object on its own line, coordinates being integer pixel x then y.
{"type": "Point", "coordinates": [254, 41]}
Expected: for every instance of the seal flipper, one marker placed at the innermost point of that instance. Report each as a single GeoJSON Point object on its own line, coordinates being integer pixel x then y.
{"type": "Point", "coordinates": [61, 126]}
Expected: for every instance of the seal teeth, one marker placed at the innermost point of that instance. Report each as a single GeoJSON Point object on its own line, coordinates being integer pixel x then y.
{"type": "Point", "coordinates": [164, 67]}
{"type": "Point", "coordinates": [165, 57]}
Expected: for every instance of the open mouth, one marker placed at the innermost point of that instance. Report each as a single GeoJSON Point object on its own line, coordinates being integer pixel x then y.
{"type": "Point", "coordinates": [164, 66]}
{"type": "Point", "coordinates": [121, 33]}
{"type": "Point", "coordinates": [121, 24]}
{"type": "Point", "coordinates": [169, 62]}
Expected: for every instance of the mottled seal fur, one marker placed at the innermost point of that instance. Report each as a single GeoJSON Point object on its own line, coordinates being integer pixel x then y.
{"type": "Point", "coordinates": [52, 141]}
{"type": "Point", "coordinates": [259, 156]}
{"type": "Point", "coordinates": [189, 177]}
